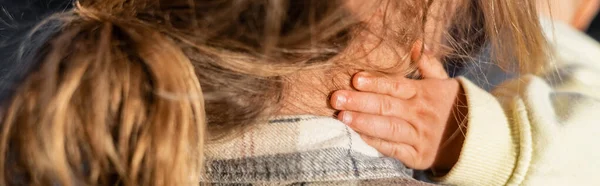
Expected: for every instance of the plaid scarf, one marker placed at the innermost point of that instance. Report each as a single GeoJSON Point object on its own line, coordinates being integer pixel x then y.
{"type": "Point", "coordinates": [301, 150]}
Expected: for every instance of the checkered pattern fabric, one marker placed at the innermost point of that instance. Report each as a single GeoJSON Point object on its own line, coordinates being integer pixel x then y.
{"type": "Point", "coordinates": [302, 150]}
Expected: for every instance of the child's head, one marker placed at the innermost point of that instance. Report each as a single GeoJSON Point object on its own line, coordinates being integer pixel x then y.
{"type": "Point", "coordinates": [122, 89]}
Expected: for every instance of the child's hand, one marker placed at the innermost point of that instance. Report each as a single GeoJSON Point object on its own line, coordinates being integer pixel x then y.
{"type": "Point", "coordinates": [406, 119]}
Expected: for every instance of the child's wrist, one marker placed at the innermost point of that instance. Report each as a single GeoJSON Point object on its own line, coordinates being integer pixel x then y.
{"type": "Point", "coordinates": [454, 136]}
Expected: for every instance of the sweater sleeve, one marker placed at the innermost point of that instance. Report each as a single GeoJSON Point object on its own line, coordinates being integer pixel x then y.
{"type": "Point", "coordinates": [534, 130]}
{"type": "Point", "coordinates": [490, 148]}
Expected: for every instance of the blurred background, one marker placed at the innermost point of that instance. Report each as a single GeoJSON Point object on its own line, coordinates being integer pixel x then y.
{"type": "Point", "coordinates": [18, 16]}
{"type": "Point", "coordinates": [582, 14]}
{"type": "Point", "coordinates": [594, 29]}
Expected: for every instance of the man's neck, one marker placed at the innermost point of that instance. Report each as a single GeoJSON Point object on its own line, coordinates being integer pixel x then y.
{"type": "Point", "coordinates": [309, 94]}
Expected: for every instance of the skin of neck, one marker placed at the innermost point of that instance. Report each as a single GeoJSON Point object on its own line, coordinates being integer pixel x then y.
{"type": "Point", "coordinates": [307, 91]}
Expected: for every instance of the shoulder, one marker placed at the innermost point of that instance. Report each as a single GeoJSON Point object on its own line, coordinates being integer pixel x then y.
{"type": "Point", "coordinates": [570, 46]}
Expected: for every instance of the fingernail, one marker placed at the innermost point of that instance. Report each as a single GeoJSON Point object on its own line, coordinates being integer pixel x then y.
{"type": "Point", "coordinates": [361, 80]}
{"type": "Point", "coordinates": [340, 100]}
{"type": "Point", "coordinates": [346, 118]}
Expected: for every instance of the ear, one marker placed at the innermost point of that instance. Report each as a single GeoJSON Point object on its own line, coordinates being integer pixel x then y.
{"type": "Point", "coordinates": [586, 12]}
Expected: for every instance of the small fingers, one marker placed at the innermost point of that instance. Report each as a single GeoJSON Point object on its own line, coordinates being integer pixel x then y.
{"type": "Point", "coordinates": [400, 87]}
{"type": "Point", "coordinates": [365, 102]}
{"type": "Point", "coordinates": [431, 67]}
{"type": "Point", "coordinates": [388, 128]}
{"type": "Point", "coordinates": [407, 154]}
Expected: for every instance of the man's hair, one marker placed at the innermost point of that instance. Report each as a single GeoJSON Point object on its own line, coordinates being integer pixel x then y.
{"type": "Point", "coordinates": [122, 91]}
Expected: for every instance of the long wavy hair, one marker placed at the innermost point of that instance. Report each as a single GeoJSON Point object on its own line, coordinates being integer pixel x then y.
{"type": "Point", "coordinates": [125, 92]}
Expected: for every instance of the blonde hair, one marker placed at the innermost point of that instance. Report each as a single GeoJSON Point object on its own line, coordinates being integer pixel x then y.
{"type": "Point", "coordinates": [115, 97]}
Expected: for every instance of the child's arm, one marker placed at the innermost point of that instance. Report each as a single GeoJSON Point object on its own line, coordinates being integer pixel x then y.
{"type": "Point", "coordinates": [529, 132]}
